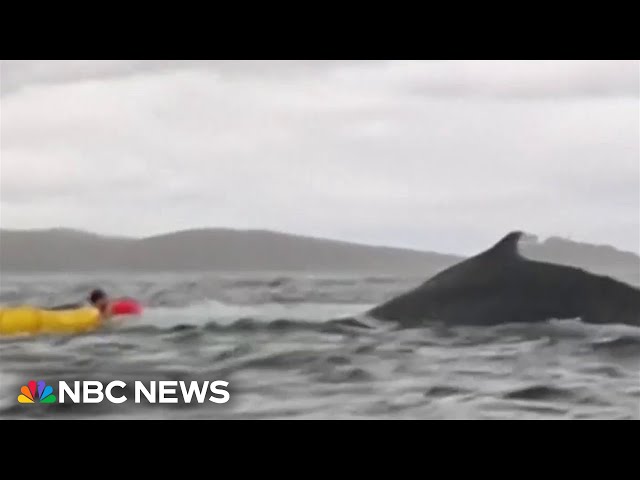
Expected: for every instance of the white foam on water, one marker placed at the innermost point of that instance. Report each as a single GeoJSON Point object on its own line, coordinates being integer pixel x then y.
{"type": "Point", "coordinates": [226, 314]}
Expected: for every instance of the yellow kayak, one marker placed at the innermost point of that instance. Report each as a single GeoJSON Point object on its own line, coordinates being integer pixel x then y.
{"type": "Point", "coordinates": [21, 320]}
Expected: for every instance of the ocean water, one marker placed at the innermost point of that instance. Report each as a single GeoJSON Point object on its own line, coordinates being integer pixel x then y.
{"type": "Point", "coordinates": [274, 338]}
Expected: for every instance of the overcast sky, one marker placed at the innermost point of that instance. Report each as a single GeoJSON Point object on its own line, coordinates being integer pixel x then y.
{"type": "Point", "coordinates": [438, 155]}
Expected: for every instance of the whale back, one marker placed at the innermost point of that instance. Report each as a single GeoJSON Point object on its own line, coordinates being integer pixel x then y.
{"type": "Point", "coordinates": [500, 285]}
{"type": "Point", "coordinates": [504, 255]}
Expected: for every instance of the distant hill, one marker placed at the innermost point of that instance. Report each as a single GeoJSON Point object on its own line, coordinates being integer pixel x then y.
{"type": "Point", "coordinates": [65, 250]}
{"type": "Point", "coordinates": [602, 259]}
{"type": "Point", "coordinates": [562, 250]}
{"type": "Point", "coordinates": [203, 250]}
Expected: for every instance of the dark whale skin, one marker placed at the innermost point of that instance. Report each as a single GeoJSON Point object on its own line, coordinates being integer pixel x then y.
{"type": "Point", "coordinates": [500, 286]}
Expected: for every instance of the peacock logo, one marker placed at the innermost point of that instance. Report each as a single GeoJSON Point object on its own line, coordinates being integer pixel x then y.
{"type": "Point", "coordinates": [28, 393]}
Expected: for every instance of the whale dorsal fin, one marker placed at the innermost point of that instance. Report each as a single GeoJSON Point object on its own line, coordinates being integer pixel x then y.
{"type": "Point", "coordinates": [507, 247]}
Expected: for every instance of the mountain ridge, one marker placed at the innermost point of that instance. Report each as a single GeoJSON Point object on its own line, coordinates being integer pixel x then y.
{"type": "Point", "coordinates": [64, 249]}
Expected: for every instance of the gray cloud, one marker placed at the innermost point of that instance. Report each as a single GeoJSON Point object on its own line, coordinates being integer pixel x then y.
{"type": "Point", "coordinates": [369, 151]}
{"type": "Point", "coordinates": [530, 79]}
{"type": "Point", "coordinates": [523, 79]}
{"type": "Point", "coordinates": [17, 74]}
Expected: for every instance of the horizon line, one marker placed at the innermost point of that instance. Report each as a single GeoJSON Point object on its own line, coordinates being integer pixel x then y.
{"type": "Point", "coordinates": [538, 239]}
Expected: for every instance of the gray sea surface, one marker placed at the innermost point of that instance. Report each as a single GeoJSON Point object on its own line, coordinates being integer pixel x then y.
{"type": "Point", "coordinates": [274, 338]}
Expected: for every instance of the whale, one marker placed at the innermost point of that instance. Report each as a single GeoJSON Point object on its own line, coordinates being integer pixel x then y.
{"type": "Point", "coordinates": [499, 286]}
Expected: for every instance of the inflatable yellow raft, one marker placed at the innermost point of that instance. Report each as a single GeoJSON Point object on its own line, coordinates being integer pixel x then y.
{"type": "Point", "coordinates": [29, 320]}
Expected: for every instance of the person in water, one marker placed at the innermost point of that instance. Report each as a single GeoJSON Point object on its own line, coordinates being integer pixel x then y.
{"type": "Point", "coordinates": [97, 299]}
{"type": "Point", "coordinates": [100, 300]}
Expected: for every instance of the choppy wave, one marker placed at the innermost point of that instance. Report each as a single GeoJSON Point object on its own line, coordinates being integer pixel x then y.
{"type": "Point", "coordinates": [295, 346]}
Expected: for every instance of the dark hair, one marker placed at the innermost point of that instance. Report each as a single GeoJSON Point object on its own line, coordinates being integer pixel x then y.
{"type": "Point", "coordinates": [97, 295]}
